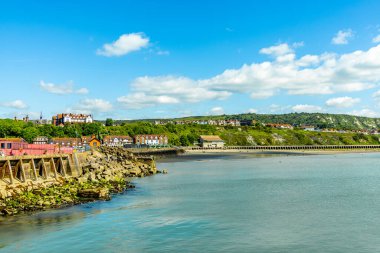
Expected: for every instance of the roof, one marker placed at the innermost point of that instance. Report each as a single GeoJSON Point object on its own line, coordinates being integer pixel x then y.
{"type": "Point", "coordinates": [68, 139]}
{"type": "Point", "coordinates": [41, 137]}
{"type": "Point", "coordinates": [12, 139]}
{"type": "Point", "coordinates": [149, 135]}
{"type": "Point", "coordinates": [73, 115]}
{"type": "Point", "coordinates": [109, 137]}
{"type": "Point", "coordinates": [210, 138]}
{"type": "Point", "coordinates": [89, 138]}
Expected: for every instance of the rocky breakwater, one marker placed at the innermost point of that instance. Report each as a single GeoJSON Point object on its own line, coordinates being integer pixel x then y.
{"type": "Point", "coordinates": [103, 172]}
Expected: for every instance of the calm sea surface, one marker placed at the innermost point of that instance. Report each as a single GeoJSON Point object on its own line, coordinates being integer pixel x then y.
{"type": "Point", "coordinates": [319, 203]}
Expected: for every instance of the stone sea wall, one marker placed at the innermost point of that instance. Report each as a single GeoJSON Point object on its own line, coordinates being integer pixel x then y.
{"type": "Point", "coordinates": [101, 173]}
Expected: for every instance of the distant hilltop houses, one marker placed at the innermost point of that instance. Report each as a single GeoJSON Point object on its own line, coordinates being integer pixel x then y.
{"type": "Point", "coordinates": [232, 122]}
{"type": "Point", "coordinates": [280, 126]}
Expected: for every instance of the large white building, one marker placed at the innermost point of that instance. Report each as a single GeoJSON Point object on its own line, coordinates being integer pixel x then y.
{"type": "Point", "coordinates": [71, 118]}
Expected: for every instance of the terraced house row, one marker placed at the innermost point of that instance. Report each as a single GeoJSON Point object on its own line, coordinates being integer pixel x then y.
{"type": "Point", "coordinates": [45, 145]}
{"type": "Point", "coordinates": [109, 140]}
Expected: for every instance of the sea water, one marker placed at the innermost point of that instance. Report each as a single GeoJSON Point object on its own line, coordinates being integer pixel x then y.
{"type": "Point", "coordinates": [224, 203]}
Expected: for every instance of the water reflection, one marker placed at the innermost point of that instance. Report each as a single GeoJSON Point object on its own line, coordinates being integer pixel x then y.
{"type": "Point", "coordinates": [16, 227]}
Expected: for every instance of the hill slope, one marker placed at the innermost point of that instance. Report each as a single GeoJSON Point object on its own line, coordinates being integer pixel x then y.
{"type": "Point", "coordinates": [322, 120]}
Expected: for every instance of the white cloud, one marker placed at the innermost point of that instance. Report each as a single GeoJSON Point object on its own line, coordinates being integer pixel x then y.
{"type": "Point", "coordinates": [82, 91]}
{"type": "Point", "coordinates": [141, 100]}
{"type": "Point", "coordinates": [342, 102]}
{"type": "Point", "coordinates": [314, 74]}
{"type": "Point", "coordinates": [125, 44]}
{"type": "Point", "coordinates": [62, 89]}
{"type": "Point", "coordinates": [326, 73]}
{"type": "Point", "coordinates": [278, 50]}
{"type": "Point", "coordinates": [93, 106]}
{"type": "Point", "coordinates": [365, 113]}
{"type": "Point", "coordinates": [16, 104]}
{"type": "Point", "coordinates": [262, 94]}
{"type": "Point", "coordinates": [306, 108]}
{"type": "Point", "coordinates": [150, 91]}
{"type": "Point", "coordinates": [252, 110]}
{"type": "Point", "coordinates": [342, 37]}
{"type": "Point", "coordinates": [217, 111]}
{"type": "Point", "coordinates": [376, 39]}
{"type": "Point", "coordinates": [308, 60]}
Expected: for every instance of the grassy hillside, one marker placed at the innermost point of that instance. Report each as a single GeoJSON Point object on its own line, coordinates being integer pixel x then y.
{"type": "Point", "coordinates": [322, 120]}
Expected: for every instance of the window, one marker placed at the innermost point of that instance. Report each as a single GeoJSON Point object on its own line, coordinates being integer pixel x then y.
{"type": "Point", "coordinates": [2, 145]}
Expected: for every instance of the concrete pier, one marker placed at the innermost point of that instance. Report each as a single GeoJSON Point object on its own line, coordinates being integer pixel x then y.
{"type": "Point", "coordinates": [23, 169]}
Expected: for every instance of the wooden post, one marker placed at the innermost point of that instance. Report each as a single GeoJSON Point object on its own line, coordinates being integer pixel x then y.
{"type": "Point", "coordinates": [44, 168]}
{"type": "Point", "coordinates": [52, 167]}
{"type": "Point", "coordinates": [62, 166]}
{"type": "Point", "coordinates": [3, 171]}
{"type": "Point", "coordinates": [10, 171]}
{"type": "Point", "coordinates": [21, 164]}
{"type": "Point", "coordinates": [33, 167]}
{"type": "Point", "coordinates": [76, 161]}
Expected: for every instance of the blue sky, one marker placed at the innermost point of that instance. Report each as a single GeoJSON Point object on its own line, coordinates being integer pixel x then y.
{"type": "Point", "coordinates": [158, 59]}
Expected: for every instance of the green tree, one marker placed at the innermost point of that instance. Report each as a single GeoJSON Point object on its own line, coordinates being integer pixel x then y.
{"type": "Point", "coordinates": [91, 128]}
{"type": "Point", "coordinates": [29, 133]}
{"type": "Point", "coordinates": [184, 140]}
{"type": "Point", "coordinates": [109, 122]}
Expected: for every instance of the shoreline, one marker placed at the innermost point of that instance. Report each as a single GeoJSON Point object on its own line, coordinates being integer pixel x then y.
{"type": "Point", "coordinates": [237, 154]}
{"type": "Point", "coordinates": [279, 152]}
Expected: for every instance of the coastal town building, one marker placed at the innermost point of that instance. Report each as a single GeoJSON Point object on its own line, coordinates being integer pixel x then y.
{"type": "Point", "coordinates": [279, 126]}
{"type": "Point", "coordinates": [41, 140]}
{"type": "Point", "coordinates": [18, 146]}
{"type": "Point", "coordinates": [150, 139]}
{"type": "Point", "coordinates": [233, 122]}
{"type": "Point", "coordinates": [211, 141]}
{"type": "Point", "coordinates": [84, 141]}
{"type": "Point", "coordinates": [8, 143]}
{"type": "Point", "coordinates": [307, 128]}
{"type": "Point", "coordinates": [25, 119]}
{"type": "Point", "coordinates": [91, 141]}
{"type": "Point", "coordinates": [66, 142]}
{"type": "Point", "coordinates": [42, 121]}
{"type": "Point", "coordinates": [248, 122]}
{"type": "Point", "coordinates": [70, 118]}
{"type": "Point", "coordinates": [117, 140]}
{"type": "Point", "coordinates": [221, 122]}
